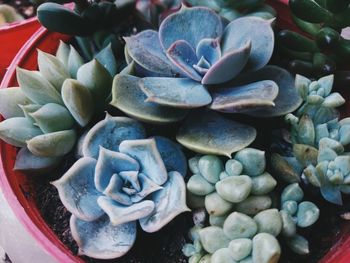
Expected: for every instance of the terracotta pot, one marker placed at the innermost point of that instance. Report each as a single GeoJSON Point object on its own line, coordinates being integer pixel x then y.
{"type": "Point", "coordinates": [18, 188]}
{"type": "Point", "coordinates": [12, 38]}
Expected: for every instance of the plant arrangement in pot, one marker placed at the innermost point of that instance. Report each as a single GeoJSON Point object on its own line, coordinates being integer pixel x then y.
{"type": "Point", "coordinates": [197, 92]}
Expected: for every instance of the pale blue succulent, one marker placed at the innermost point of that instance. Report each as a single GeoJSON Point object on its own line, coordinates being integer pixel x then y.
{"type": "Point", "coordinates": [122, 178]}
{"type": "Point", "coordinates": [198, 60]}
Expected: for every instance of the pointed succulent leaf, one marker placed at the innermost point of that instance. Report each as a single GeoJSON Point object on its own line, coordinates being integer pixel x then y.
{"type": "Point", "coordinates": [120, 214]}
{"type": "Point", "coordinates": [213, 238]}
{"type": "Point", "coordinates": [254, 29]}
{"type": "Point", "coordinates": [253, 161]}
{"type": "Point", "coordinates": [53, 117]}
{"type": "Point", "coordinates": [172, 155]}
{"type": "Point", "coordinates": [302, 84]}
{"type": "Point", "coordinates": [107, 59]}
{"type": "Point", "coordinates": [209, 133]}
{"type": "Point", "coordinates": [109, 133]}
{"type": "Point", "coordinates": [183, 56]}
{"type": "Point", "coordinates": [191, 25]}
{"type": "Point", "coordinates": [266, 248]}
{"type": "Point", "coordinates": [283, 169]}
{"type": "Point", "coordinates": [62, 53]}
{"type": "Point", "coordinates": [245, 98]}
{"type": "Point", "coordinates": [234, 189]}
{"type": "Point", "coordinates": [53, 144]}
{"type": "Point", "coordinates": [254, 204]}
{"type": "Point", "coordinates": [298, 245]}
{"type": "Point", "coordinates": [75, 61]}
{"type": "Point", "coordinates": [77, 190]}
{"type": "Point", "coordinates": [175, 92]}
{"type": "Point", "coordinates": [17, 131]}
{"type": "Point", "coordinates": [310, 174]}
{"type": "Point", "coordinates": [37, 88]}
{"type": "Point", "coordinates": [228, 66]}
{"type": "Point", "coordinates": [169, 202]}
{"type": "Point", "coordinates": [326, 83]}
{"type": "Point", "coordinates": [343, 164]}
{"type": "Point", "coordinates": [332, 194]}
{"type": "Point", "coordinates": [216, 205]}
{"type": "Point", "coordinates": [79, 101]}
{"type": "Point", "coordinates": [305, 154]}
{"type": "Point", "coordinates": [146, 153]}
{"type": "Point", "coordinates": [306, 130]}
{"type": "Point", "coordinates": [332, 144]}
{"type": "Point", "coordinates": [269, 221]}
{"type": "Point", "coordinates": [128, 97]}
{"type": "Point", "coordinates": [97, 79]}
{"type": "Point", "coordinates": [210, 167]}
{"type": "Point", "coordinates": [238, 225]}
{"type": "Point", "coordinates": [31, 164]}
{"type": "Point", "coordinates": [199, 186]}
{"type": "Point", "coordinates": [146, 50]}
{"type": "Point", "coordinates": [344, 134]}
{"type": "Point", "coordinates": [209, 49]}
{"type": "Point", "coordinates": [29, 109]}
{"type": "Point", "coordinates": [240, 248]}
{"type": "Point", "coordinates": [109, 163]}
{"type": "Point", "coordinates": [10, 99]}
{"type": "Point", "coordinates": [288, 99]}
{"type": "Point", "coordinates": [308, 214]}
{"type": "Point", "coordinates": [52, 69]}
{"type": "Point", "coordinates": [333, 101]}
{"type": "Point", "coordinates": [100, 239]}
{"type": "Point", "coordinates": [222, 255]}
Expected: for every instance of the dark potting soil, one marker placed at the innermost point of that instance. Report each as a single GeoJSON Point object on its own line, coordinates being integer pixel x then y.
{"type": "Point", "coordinates": [24, 7]}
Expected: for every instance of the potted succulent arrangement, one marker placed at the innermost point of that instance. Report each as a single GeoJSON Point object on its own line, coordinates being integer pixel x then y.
{"type": "Point", "coordinates": [161, 131]}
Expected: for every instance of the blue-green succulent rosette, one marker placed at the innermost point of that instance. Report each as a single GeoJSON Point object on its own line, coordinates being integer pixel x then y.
{"type": "Point", "coordinates": [197, 60]}
{"type": "Point", "coordinates": [122, 178]}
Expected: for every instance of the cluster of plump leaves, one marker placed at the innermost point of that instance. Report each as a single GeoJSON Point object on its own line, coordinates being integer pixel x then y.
{"type": "Point", "coordinates": [322, 50]}
{"type": "Point", "coordinates": [318, 140]}
{"type": "Point", "coordinates": [120, 179]}
{"type": "Point", "coordinates": [243, 222]}
{"type": "Point", "coordinates": [197, 60]}
{"type": "Point", "coordinates": [8, 14]}
{"type": "Point", "coordinates": [231, 10]}
{"type": "Point", "coordinates": [86, 18]}
{"type": "Point", "coordinates": [43, 115]}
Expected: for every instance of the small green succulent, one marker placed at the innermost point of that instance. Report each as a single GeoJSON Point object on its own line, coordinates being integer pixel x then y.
{"type": "Point", "coordinates": [45, 114]}
{"type": "Point", "coordinates": [8, 14]}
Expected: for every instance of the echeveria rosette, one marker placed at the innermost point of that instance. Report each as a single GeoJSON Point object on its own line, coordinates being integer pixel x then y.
{"type": "Point", "coordinates": [195, 61]}
{"type": "Point", "coordinates": [44, 114]}
{"type": "Point", "coordinates": [122, 178]}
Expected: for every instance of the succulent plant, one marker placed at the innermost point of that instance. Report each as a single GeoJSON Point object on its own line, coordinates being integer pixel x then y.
{"type": "Point", "coordinates": [241, 185]}
{"type": "Point", "coordinates": [235, 9]}
{"type": "Point", "coordinates": [51, 104]}
{"type": "Point", "coordinates": [8, 14]}
{"type": "Point", "coordinates": [319, 141]}
{"type": "Point", "coordinates": [192, 62]}
{"type": "Point", "coordinates": [122, 178]}
{"type": "Point", "coordinates": [321, 50]}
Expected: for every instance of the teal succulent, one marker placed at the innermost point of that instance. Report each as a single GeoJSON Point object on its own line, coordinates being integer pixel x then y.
{"type": "Point", "coordinates": [122, 178]}
{"type": "Point", "coordinates": [196, 61]}
{"type": "Point", "coordinates": [44, 115]}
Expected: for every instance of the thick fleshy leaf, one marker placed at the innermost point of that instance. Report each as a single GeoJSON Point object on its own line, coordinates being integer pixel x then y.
{"type": "Point", "coordinates": [245, 98]}
{"type": "Point", "coordinates": [146, 153]}
{"type": "Point", "coordinates": [147, 51]}
{"type": "Point", "coordinates": [75, 61]}
{"type": "Point", "coordinates": [148, 187]}
{"type": "Point", "coordinates": [77, 190]}
{"type": "Point", "coordinates": [29, 109]}
{"type": "Point", "coordinates": [183, 55]}
{"type": "Point", "coordinates": [129, 98]}
{"type": "Point", "coordinates": [37, 88]}
{"type": "Point", "coordinates": [332, 194]}
{"type": "Point", "coordinates": [288, 99]}
{"type": "Point", "coordinates": [16, 131]}
{"type": "Point", "coordinates": [98, 80]}
{"type": "Point", "coordinates": [30, 164]}
{"type": "Point", "coordinates": [228, 66]}
{"type": "Point", "coordinates": [109, 133]}
{"type": "Point", "coordinates": [52, 69]}
{"type": "Point", "coordinates": [209, 49]}
{"type": "Point", "coordinates": [109, 163]}
{"type": "Point", "coordinates": [120, 214]}
{"type": "Point", "coordinates": [169, 202]}
{"type": "Point", "coordinates": [191, 25]}
{"type": "Point", "coordinates": [53, 117]}
{"type": "Point", "coordinates": [100, 239]}
{"type": "Point", "coordinates": [53, 144]}
{"type": "Point", "coordinates": [79, 101]}
{"type": "Point", "coordinates": [10, 99]}
{"type": "Point", "coordinates": [209, 133]}
{"type": "Point", "coordinates": [254, 29]}
{"type": "Point", "coordinates": [115, 190]}
{"type": "Point", "coordinates": [175, 92]}
{"type": "Point", "coordinates": [172, 155]}
{"type": "Point", "coordinates": [107, 59]}
{"type": "Point", "coordinates": [62, 53]}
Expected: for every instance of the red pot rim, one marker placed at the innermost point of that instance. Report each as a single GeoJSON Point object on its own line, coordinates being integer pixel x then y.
{"type": "Point", "coordinates": [21, 205]}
